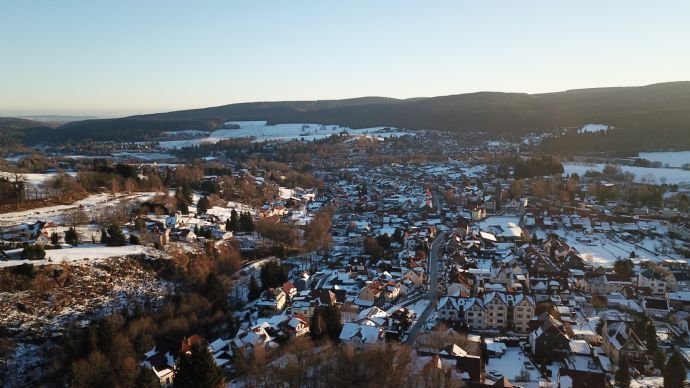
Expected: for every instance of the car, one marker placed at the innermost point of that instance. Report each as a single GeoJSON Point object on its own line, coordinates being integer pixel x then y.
{"type": "Point", "coordinates": [493, 373]}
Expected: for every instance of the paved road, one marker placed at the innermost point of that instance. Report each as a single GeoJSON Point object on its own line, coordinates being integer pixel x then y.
{"type": "Point", "coordinates": [432, 293]}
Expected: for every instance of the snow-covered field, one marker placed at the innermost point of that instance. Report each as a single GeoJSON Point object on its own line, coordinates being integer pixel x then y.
{"type": "Point", "coordinates": [642, 174]}
{"type": "Point", "coordinates": [86, 251]}
{"type": "Point", "coordinates": [95, 202]}
{"type": "Point", "coordinates": [673, 159]}
{"type": "Point", "coordinates": [594, 128]}
{"type": "Point", "coordinates": [34, 180]}
{"type": "Point", "coordinates": [261, 131]}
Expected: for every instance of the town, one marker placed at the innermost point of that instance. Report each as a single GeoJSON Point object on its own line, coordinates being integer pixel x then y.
{"type": "Point", "coordinates": [320, 256]}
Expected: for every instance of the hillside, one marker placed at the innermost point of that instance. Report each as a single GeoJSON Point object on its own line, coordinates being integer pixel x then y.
{"type": "Point", "coordinates": [14, 131]}
{"type": "Point", "coordinates": [660, 109]}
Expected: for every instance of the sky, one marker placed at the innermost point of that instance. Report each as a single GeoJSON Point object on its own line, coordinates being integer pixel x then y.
{"type": "Point", "coordinates": [115, 58]}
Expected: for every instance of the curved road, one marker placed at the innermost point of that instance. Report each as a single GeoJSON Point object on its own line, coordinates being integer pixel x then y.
{"type": "Point", "coordinates": [432, 293]}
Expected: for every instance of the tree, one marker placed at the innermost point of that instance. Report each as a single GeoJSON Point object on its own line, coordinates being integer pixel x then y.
{"type": "Point", "coordinates": [623, 372]}
{"type": "Point", "coordinates": [273, 275]}
{"type": "Point", "coordinates": [33, 252]}
{"type": "Point", "coordinates": [675, 372]}
{"type": "Point", "coordinates": [254, 289]}
{"type": "Point", "coordinates": [114, 236]}
{"type": "Point", "coordinates": [54, 238]}
{"type": "Point", "coordinates": [650, 335]}
{"type": "Point", "coordinates": [71, 236]}
{"type": "Point", "coordinates": [203, 205]}
{"type": "Point", "coordinates": [146, 379]}
{"type": "Point", "coordinates": [198, 369]}
{"type": "Point", "coordinates": [659, 359]}
{"type": "Point", "coordinates": [326, 322]}
{"type": "Point", "coordinates": [624, 267]}
{"type": "Point", "coordinates": [233, 223]}
{"type": "Point", "coordinates": [246, 222]}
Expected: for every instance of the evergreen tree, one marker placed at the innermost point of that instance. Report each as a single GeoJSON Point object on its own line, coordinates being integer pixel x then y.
{"type": "Point", "coordinates": [104, 236]}
{"type": "Point", "coordinates": [203, 205]}
{"type": "Point", "coordinates": [326, 322]}
{"type": "Point", "coordinates": [624, 267]}
{"type": "Point", "coordinates": [273, 275]}
{"type": "Point", "coordinates": [651, 338]}
{"type": "Point", "coordinates": [623, 372]}
{"type": "Point", "coordinates": [71, 236]}
{"type": "Point", "coordinates": [33, 252]}
{"type": "Point", "coordinates": [215, 291]}
{"type": "Point", "coordinates": [254, 289]}
{"type": "Point", "coordinates": [659, 360]}
{"type": "Point", "coordinates": [115, 236]}
{"type": "Point", "coordinates": [54, 238]}
{"type": "Point", "coordinates": [246, 222]}
{"type": "Point", "coordinates": [182, 207]}
{"type": "Point", "coordinates": [675, 372]}
{"type": "Point", "coordinates": [198, 369]}
{"type": "Point", "coordinates": [233, 223]}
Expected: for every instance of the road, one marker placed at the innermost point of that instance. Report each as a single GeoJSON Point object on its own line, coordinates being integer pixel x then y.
{"type": "Point", "coordinates": [432, 293]}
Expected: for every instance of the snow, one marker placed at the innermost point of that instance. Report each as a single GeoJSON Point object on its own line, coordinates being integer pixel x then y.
{"type": "Point", "coordinates": [86, 251]}
{"type": "Point", "coordinates": [95, 202]}
{"type": "Point", "coordinates": [511, 363]}
{"type": "Point", "coordinates": [594, 128]}
{"type": "Point", "coordinates": [262, 131]}
{"type": "Point", "coordinates": [673, 159]}
{"type": "Point", "coordinates": [642, 174]}
{"type": "Point", "coordinates": [34, 180]}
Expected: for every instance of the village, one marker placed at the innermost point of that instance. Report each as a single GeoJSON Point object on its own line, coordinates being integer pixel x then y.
{"type": "Point", "coordinates": [490, 271]}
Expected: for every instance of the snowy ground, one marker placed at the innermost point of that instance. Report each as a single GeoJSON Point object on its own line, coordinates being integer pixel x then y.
{"type": "Point", "coordinates": [510, 365]}
{"type": "Point", "coordinates": [594, 128]}
{"type": "Point", "coordinates": [81, 293]}
{"type": "Point", "coordinates": [673, 159]}
{"type": "Point", "coordinates": [95, 202]}
{"type": "Point", "coordinates": [642, 174]}
{"type": "Point", "coordinates": [605, 250]}
{"type": "Point", "coordinates": [261, 131]}
{"type": "Point", "coordinates": [34, 180]}
{"type": "Point", "coordinates": [88, 252]}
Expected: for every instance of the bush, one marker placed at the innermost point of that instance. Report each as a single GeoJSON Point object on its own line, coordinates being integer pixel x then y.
{"type": "Point", "coordinates": [33, 252]}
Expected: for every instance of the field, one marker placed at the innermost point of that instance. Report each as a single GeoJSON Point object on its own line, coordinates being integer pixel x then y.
{"type": "Point", "coordinates": [642, 174]}
{"type": "Point", "coordinates": [261, 131]}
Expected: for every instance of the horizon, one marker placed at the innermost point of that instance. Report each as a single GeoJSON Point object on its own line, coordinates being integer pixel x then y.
{"type": "Point", "coordinates": [87, 115]}
{"type": "Point", "coordinates": [113, 60]}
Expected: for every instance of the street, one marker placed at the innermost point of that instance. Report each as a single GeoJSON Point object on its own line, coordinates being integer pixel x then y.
{"type": "Point", "coordinates": [432, 293]}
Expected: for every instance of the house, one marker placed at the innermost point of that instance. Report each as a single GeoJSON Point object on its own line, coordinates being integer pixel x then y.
{"type": "Point", "coordinates": [373, 294]}
{"type": "Point", "coordinates": [186, 235]}
{"type": "Point", "coordinates": [496, 306]}
{"type": "Point", "coordinates": [307, 301]}
{"type": "Point", "coordinates": [548, 338]}
{"type": "Point", "coordinates": [618, 340]}
{"type": "Point", "coordinates": [246, 341]}
{"type": "Point", "coordinates": [361, 335]}
{"type": "Point", "coordinates": [652, 280]}
{"type": "Point", "coordinates": [522, 312]}
{"type": "Point", "coordinates": [298, 326]}
{"type": "Point", "coordinates": [271, 301]}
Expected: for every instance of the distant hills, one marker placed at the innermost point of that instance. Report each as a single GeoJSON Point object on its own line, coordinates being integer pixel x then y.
{"type": "Point", "coordinates": [646, 117]}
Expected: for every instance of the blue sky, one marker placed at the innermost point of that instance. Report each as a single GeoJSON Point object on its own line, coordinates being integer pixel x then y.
{"type": "Point", "coordinates": [121, 57]}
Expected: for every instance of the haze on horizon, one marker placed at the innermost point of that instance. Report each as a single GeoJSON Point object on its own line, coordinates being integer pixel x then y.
{"type": "Point", "coordinates": [79, 57]}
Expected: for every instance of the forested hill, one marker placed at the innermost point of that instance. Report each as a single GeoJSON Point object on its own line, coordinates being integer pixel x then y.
{"type": "Point", "coordinates": [15, 132]}
{"type": "Point", "coordinates": [637, 112]}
